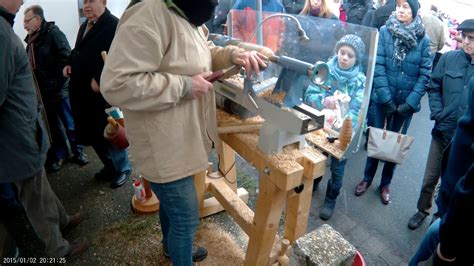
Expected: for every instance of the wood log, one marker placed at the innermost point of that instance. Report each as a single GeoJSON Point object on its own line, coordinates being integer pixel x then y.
{"type": "Point", "coordinates": [238, 129]}
{"type": "Point", "coordinates": [238, 123]}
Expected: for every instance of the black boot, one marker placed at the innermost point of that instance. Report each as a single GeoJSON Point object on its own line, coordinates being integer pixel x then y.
{"type": "Point", "coordinates": [327, 209]}
{"type": "Point", "coordinates": [199, 253]}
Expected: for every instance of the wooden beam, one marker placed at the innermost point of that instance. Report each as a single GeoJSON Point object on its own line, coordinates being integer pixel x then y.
{"type": "Point", "coordinates": [268, 211]}
{"type": "Point", "coordinates": [297, 211]}
{"type": "Point", "coordinates": [238, 129]}
{"type": "Point", "coordinates": [227, 164]}
{"type": "Point", "coordinates": [313, 167]}
{"type": "Point", "coordinates": [284, 179]}
{"type": "Point", "coordinates": [237, 208]}
{"type": "Point", "coordinates": [212, 206]}
{"type": "Point", "coordinates": [200, 186]}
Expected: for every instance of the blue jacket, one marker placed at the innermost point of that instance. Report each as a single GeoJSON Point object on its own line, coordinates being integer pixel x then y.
{"type": "Point", "coordinates": [402, 83]}
{"type": "Point", "coordinates": [448, 93]}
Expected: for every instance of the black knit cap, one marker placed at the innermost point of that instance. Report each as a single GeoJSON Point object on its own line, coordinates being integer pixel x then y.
{"type": "Point", "coordinates": [466, 25]}
{"type": "Point", "coordinates": [353, 41]}
{"type": "Point", "coordinates": [415, 6]}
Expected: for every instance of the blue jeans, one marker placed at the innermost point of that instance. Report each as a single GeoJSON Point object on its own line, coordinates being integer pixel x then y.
{"type": "Point", "coordinates": [7, 196]}
{"type": "Point", "coordinates": [394, 124]}
{"type": "Point", "coordinates": [179, 218]}
{"type": "Point", "coordinates": [114, 160]}
{"type": "Point", "coordinates": [335, 182]}
{"type": "Point", "coordinates": [428, 245]}
{"type": "Point", "coordinates": [66, 117]}
{"type": "Point", "coordinates": [60, 121]}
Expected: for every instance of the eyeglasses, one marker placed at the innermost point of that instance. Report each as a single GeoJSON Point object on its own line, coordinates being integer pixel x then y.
{"type": "Point", "coordinates": [470, 38]}
{"type": "Point", "coordinates": [27, 20]}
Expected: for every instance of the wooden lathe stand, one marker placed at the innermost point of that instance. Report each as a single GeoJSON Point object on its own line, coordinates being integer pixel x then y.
{"type": "Point", "coordinates": [289, 184]}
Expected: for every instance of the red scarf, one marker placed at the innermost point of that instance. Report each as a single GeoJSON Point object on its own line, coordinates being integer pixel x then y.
{"type": "Point", "coordinates": [31, 47]}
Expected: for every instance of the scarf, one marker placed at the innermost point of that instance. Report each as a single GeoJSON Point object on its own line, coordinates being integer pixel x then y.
{"type": "Point", "coordinates": [30, 40]}
{"type": "Point", "coordinates": [406, 36]}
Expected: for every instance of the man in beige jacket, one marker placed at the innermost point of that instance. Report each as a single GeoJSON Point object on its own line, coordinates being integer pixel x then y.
{"type": "Point", "coordinates": [156, 72]}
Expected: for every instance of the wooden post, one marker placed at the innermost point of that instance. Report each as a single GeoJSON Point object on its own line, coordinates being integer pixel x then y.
{"type": "Point", "coordinates": [227, 165]}
{"type": "Point", "coordinates": [270, 204]}
{"type": "Point", "coordinates": [297, 211]}
{"type": "Point", "coordinates": [200, 186]}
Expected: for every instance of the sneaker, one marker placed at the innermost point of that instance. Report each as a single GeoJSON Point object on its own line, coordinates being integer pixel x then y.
{"type": "Point", "coordinates": [81, 159]}
{"type": "Point", "coordinates": [55, 166]}
{"type": "Point", "coordinates": [417, 219]}
{"type": "Point", "coordinates": [199, 253]}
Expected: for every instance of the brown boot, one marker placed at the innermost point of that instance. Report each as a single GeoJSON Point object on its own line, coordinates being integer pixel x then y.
{"type": "Point", "coordinates": [361, 188]}
{"type": "Point", "coordinates": [78, 247]}
{"type": "Point", "coordinates": [385, 195]}
{"type": "Point", "coordinates": [74, 221]}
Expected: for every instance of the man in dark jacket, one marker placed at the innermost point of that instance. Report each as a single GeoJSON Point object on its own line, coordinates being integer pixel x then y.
{"type": "Point", "coordinates": [355, 11]}
{"type": "Point", "coordinates": [457, 223]}
{"type": "Point", "coordinates": [382, 14]}
{"type": "Point", "coordinates": [49, 51]}
{"type": "Point", "coordinates": [24, 143]}
{"type": "Point", "coordinates": [448, 95]}
{"type": "Point", "coordinates": [88, 106]}
{"type": "Point", "coordinates": [455, 200]}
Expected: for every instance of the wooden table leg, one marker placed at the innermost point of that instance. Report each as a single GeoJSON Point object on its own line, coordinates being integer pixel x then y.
{"type": "Point", "coordinates": [200, 186]}
{"type": "Point", "coordinates": [270, 203]}
{"type": "Point", "coordinates": [227, 165]}
{"type": "Point", "coordinates": [297, 211]}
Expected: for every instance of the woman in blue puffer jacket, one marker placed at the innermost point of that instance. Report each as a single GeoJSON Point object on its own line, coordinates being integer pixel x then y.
{"type": "Point", "coordinates": [402, 73]}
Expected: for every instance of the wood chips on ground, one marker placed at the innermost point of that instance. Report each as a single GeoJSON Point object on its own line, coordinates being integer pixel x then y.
{"type": "Point", "coordinates": [139, 241]}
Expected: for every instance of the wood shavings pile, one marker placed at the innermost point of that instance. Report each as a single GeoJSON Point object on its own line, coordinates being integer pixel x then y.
{"type": "Point", "coordinates": [249, 138]}
{"type": "Point", "coordinates": [276, 98]}
{"type": "Point", "coordinates": [266, 93]}
{"type": "Point", "coordinates": [224, 118]}
{"type": "Point", "coordinates": [236, 80]}
{"type": "Point", "coordinates": [287, 159]}
{"type": "Point", "coordinates": [319, 138]}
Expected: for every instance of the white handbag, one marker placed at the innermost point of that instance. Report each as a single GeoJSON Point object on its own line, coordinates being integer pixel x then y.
{"type": "Point", "coordinates": [387, 145]}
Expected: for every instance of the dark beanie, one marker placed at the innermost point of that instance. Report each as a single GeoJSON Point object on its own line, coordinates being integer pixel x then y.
{"type": "Point", "coordinates": [415, 6]}
{"type": "Point", "coordinates": [353, 41]}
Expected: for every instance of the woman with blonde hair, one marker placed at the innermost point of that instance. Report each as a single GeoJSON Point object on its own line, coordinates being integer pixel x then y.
{"type": "Point", "coordinates": [317, 8]}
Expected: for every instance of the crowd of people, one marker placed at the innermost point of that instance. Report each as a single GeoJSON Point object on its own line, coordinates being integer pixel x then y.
{"type": "Point", "coordinates": [52, 102]}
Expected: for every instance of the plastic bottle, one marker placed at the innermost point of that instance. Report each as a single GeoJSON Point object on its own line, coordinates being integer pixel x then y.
{"type": "Point", "coordinates": [139, 190]}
